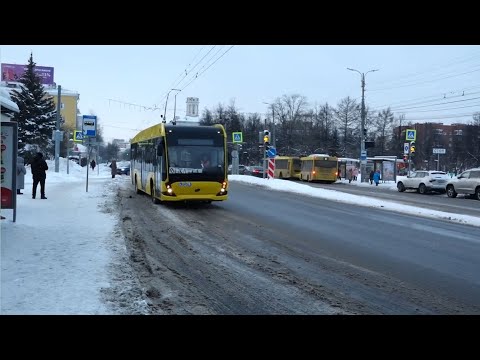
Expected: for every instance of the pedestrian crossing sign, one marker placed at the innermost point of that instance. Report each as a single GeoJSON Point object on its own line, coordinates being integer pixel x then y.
{"type": "Point", "coordinates": [78, 136]}
{"type": "Point", "coordinates": [411, 135]}
{"type": "Point", "coordinates": [237, 137]}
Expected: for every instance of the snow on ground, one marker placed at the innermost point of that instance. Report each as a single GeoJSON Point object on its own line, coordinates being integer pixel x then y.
{"type": "Point", "coordinates": [298, 187]}
{"type": "Point", "coordinates": [65, 254]}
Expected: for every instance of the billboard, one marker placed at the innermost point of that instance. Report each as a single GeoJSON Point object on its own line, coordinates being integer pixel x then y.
{"type": "Point", "coordinates": [13, 72]}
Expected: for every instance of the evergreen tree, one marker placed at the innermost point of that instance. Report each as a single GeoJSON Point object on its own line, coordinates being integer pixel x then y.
{"type": "Point", "coordinates": [37, 117]}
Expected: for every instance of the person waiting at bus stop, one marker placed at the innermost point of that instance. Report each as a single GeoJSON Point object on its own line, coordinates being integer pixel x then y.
{"type": "Point", "coordinates": [21, 172]}
{"type": "Point", "coordinates": [113, 166]}
{"type": "Point", "coordinates": [350, 175]}
{"type": "Point", "coordinates": [376, 177]}
{"type": "Point", "coordinates": [371, 177]}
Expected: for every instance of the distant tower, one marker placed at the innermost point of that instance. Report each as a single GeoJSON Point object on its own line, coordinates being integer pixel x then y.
{"type": "Point", "coordinates": [192, 106]}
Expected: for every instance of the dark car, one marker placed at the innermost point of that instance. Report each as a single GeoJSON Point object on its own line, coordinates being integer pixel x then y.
{"type": "Point", "coordinates": [254, 171]}
{"type": "Point", "coordinates": [123, 168]}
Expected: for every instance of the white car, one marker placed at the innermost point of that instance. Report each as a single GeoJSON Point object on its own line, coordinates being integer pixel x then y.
{"type": "Point", "coordinates": [424, 181]}
{"type": "Point", "coordinates": [468, 182]}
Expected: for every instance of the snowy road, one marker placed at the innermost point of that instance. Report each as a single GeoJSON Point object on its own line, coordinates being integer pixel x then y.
{"type": "Point", "coordinates": [255, 254]}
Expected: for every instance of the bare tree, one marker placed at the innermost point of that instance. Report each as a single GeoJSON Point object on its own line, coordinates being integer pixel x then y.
{"type": "Point", "coordinates": [384, 128]}
{"type": "Point", "coordinates": [207, 118]}
{"type": "Point", "coordinates": [347, 117]}
{"type": "Point", "coordinates": [289, 110]}
{"type": "Point", "coordinates": [323, 126]}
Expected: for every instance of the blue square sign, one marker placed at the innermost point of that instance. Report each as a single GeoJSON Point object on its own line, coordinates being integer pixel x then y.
{"type": "Point", "coordinates": [89, 125]}
{"type": "Point", "coordinates": [237, 137]}
{"type": "Point", "coordinates": [411, 134]}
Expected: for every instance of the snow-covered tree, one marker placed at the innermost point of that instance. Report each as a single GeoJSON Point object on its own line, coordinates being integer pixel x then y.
{"type": "Point", "coordinates": [37, 116]}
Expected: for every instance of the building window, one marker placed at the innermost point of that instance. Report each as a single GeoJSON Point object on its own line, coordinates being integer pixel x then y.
{"type": "Point", "coordinates": [458, 132]}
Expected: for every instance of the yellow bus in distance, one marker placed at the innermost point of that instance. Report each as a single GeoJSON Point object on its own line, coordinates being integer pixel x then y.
{"type": "Point", "coordinates": [180, 163]}
{"type": "Point", "coordinates": [287, 167]}
{"type": "Point", "coordinates": [319, 167]}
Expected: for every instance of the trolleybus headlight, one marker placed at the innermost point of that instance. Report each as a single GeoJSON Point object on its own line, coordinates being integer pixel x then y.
{"type": "Point", "coordinates": [169, 190]}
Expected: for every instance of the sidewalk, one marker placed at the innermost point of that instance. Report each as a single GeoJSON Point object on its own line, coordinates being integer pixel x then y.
{"type": "Point", "coordinates": [59, 256]}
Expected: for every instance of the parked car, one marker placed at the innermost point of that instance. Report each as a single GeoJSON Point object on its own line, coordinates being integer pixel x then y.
{"type": "Point", "coordinates": [424, 181]}
{"type": "Point", "coordinates": [468, 182]}
{"type": "Point", "coordinates": [241, 169]}
{"type": "Point", "coordinates": [123, 168]}
{"type": "Point", "coordinates": [254, 171]}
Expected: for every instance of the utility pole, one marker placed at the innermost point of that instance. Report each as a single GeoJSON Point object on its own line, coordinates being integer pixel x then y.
{"type": "Point", "coordinates": [264, 154]}
{"type": "Point", "coordinates": [57, 130]}
{"type": "Point", "coordinates": [166, 102]}
{"type": "Point", "coordinates": [273, 132]}
{"type": "Point", "coordinates": [68, 151]}
{"type": "Point", "coordinates": [363, 153]}
{"type": "Point", "coordinates": [175, 107]}
{"type": "Point", "coordinates": [273, 122]}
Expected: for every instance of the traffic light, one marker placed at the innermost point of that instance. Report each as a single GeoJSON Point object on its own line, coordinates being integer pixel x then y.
{"type": "Point", "coordinates": [405, 158]}
{"type": "Point", "coordinates": [412, 148]}
{"type": "Point", "coordinates": [266, 139]}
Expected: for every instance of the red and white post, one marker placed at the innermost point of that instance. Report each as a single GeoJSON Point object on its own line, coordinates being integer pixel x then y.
{"type": "Point", "coordinates": [271, 168]}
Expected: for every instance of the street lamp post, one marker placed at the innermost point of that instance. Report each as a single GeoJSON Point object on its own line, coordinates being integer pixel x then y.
{"type": "Point", "coordinates": [68, 150]}
{"type": "Point", "coordinates": [362, 126]}
{"type": "Point", "coordinates": [166, 102]}
{"type": "Point", "coordinates": [175, 107]}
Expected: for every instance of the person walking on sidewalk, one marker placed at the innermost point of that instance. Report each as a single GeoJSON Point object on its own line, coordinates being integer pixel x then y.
{"type": "Point", "coordinates": [39, 166]}
{"type": "Point", "coordinates": [21, 172]}
{"type": "Point", "coordinates": [113, 166]}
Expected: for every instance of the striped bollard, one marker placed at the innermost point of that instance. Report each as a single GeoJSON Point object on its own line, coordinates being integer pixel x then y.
{"type": "Point", "coordinates": [271, 168]}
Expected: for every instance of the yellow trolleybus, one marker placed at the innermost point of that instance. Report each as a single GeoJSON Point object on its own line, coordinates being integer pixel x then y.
{"type": "Point", "coordinates": [287, 167]}
{"type": "Point", "coordinates": [319, 167]}
{"type": "Point", "coordinates": [180, 163]}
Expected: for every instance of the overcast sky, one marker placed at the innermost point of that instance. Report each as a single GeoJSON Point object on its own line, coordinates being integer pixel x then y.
{"type": "Point", "coordinates": [423, 82]}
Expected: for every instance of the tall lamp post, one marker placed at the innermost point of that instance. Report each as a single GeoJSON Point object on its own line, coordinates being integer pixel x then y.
{"type": "Point", "coordinates": [175, 107]}
{"type": "Point", "coordinates": [166, 102]}
{"type": "Point", "coordinates": [273, 121]}
{"type": "Point", "coordinates": [363, 162]}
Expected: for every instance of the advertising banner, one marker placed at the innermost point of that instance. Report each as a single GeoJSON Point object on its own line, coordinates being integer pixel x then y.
{"type": "Point", "coordinates": [8, 165]}
{"type": "Point", "coordinates": [388, 171]}
{"type": "Point", "coordinates": [13, 72]}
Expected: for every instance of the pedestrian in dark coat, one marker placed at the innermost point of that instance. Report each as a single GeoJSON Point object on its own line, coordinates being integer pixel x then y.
{"type": "Point", "coordinates": [39, 166]}
{"type": "Point", "coordinates": [371, 177]}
